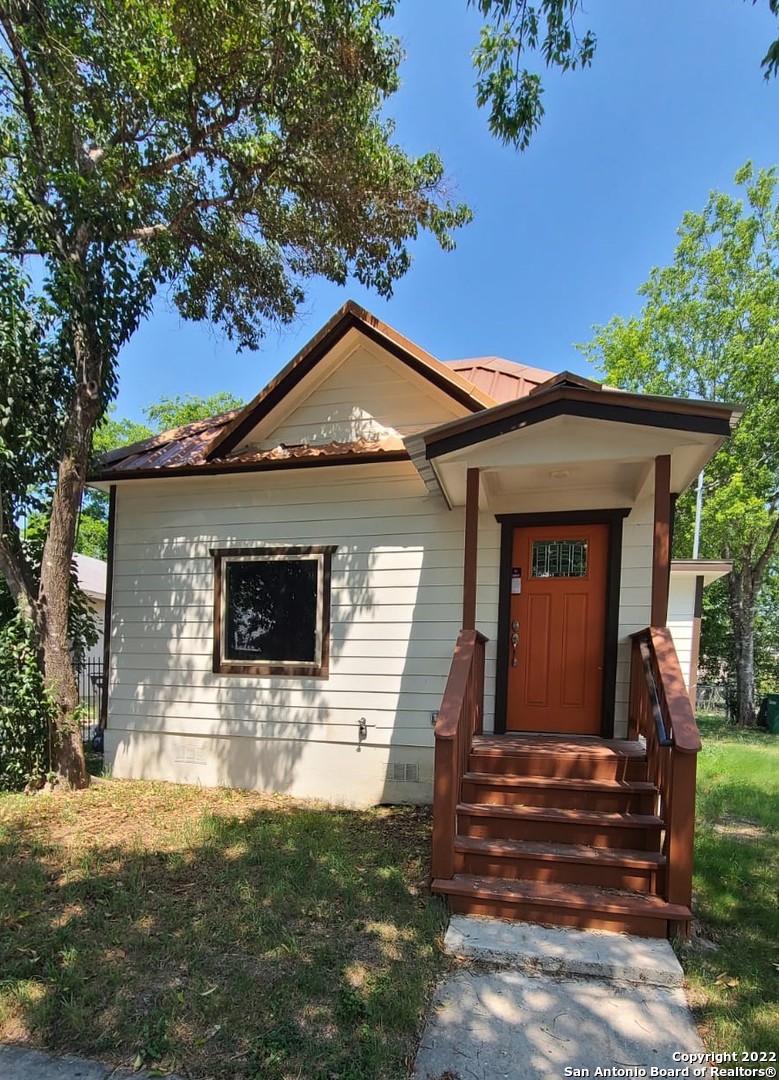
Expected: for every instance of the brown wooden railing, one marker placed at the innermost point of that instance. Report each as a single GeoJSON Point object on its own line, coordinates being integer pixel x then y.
{"type": "Point", "coordinates": [661, 713]}
{"type": "Point", "coordinates": [459, 719]}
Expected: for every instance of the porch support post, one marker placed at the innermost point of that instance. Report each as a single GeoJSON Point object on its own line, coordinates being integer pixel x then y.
{"type": "Point", "coordinates": [661, 557]}
{"type": "Point", "coordinates": [471, 549]}
{"type": "Point", "coordinates": [695, 646]}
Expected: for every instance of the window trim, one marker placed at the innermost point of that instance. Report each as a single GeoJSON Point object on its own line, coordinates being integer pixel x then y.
{"type": "Point", "coordinates": [318, 669]}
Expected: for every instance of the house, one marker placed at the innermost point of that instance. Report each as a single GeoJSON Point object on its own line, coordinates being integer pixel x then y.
{"type": "Point", "coordinates": [92, 582]}
{"type": "Point", "coordinates": [387, 567]}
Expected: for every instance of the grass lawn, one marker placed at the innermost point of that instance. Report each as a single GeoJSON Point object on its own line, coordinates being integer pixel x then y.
{"type": "Point", "coordinates": [734, 988]}
{"type": "Point", "coordinates": [225, 933]}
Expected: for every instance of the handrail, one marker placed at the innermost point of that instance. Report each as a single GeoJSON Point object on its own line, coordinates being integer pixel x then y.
{"type": "Point", "coordinates": [459, 718]}
{"type": "Point", "coordinates": [664, 738]}
{"type": "Point", "coordinates": [687, 737]}
{"type": "Point", "coordinates": [661, 714]}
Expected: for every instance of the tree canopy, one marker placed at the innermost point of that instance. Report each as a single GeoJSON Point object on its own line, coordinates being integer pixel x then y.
{"type": "Point", "coordinates": [709, 328]}
{"type": "Point", "coordinates": [222, 150]}
{"type": "Point", "coordinates": [519, 32]}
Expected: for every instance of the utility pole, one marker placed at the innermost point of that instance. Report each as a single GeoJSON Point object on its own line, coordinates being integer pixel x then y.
{"type": "Point", "coordinates": [696, 540]}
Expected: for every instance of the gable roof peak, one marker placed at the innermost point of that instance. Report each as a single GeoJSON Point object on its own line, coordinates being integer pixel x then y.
{"type": "Point", "coordinates": [350, 316]}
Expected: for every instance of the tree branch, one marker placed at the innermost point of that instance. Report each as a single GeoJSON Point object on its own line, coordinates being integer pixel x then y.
{"type": "Point", "coordinates": [148, 232]}
{"type": "Point", "coordinates": [768, 550]}
{"type": "Point", "coordinates": [27, 88]}
{"type": "Point", "coordinates": [16, 574]}
{"type": "Point", "coordinates": [20, 252]}
{"type": "Point", "coordinates": [197, 141]}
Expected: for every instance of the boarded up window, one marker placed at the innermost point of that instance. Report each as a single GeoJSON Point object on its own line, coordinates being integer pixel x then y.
{"type": "Point", "coordinates": [272, 610]}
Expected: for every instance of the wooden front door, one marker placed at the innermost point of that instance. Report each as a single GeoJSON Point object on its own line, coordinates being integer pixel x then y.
{"type": "Point", "coordinates": [557, 629]}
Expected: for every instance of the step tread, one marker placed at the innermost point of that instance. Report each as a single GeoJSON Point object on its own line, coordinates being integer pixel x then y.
{"type": "Point", "coordinates": [573, 817]}
{"type": "Point", "coordinates": [581, 853]}
{"type": "Point", "coordinates": [562, 746]}
{"type": "Point", "coordinates": [519, 780]}
{"type": "Point", "coordinates": [584, 897]}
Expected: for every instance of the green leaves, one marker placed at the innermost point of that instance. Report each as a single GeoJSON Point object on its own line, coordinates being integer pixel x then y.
{"type": "Point", "coordinates": [709, 328]}
{"type": "Point", "coordinates": [521, 28]}
{"type": "Point", "coordinates": [223, 149]}
{"type": "Point", "coordinates": [26, 709]}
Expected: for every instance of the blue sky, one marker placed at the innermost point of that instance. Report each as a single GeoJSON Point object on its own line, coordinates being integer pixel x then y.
{"type": "Point", "coordinates": [564, 233]}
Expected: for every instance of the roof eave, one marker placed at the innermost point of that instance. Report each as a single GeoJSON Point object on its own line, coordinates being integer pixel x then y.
{"type": "Point", "coordinates": [601, 403]}
{"type": "Point", "coordinates": [221, 467]}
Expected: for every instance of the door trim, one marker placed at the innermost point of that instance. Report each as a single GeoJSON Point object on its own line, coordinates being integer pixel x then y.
{"type": "Point", "coordinates": [509, 522]}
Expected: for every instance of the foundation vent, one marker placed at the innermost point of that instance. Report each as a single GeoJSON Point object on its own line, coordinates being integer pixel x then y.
{"type": "Point", "coordinates": [399, 772]}
{"type": "Point", "coordinates": [184, 753]}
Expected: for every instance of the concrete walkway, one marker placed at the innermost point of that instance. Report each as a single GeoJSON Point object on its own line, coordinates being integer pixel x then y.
{"type": "Point", "coordinates": [22, 1063]}
{"type": "Point", "coordinates": [528, 1003]}
{"type": "Point", "coordinates": [535, 1002]}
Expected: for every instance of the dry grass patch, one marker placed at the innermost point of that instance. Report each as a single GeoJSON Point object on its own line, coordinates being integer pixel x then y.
{"type": "Point", "coordinates": [223, 933]}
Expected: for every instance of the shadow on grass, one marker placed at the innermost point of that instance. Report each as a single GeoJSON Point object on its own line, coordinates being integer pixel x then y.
{"type": "Point", "coordinates": [290, 942]}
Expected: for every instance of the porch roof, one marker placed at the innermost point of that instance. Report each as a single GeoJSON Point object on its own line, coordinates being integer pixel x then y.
{"type": "Point", "coordinates": [709, 569]}
{"type": "Point", "coordinates": [571, 444]}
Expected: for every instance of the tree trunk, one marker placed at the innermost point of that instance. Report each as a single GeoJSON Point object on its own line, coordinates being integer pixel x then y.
{"type": "Point", "coordinates": [67, 749]}
{"type": "Point", "coordinates": [742, 614]}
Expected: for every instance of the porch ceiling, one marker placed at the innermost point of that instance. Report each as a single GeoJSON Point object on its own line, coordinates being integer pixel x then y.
{"type": "Point", "coordinates": [566, 463]}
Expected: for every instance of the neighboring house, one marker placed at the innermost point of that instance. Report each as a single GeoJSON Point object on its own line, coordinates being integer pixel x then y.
{"type": "Point", "coordinates": [92, 581]}
{"type": "Point", "coordinates": [689, 577]}
{"type": "Point", "coordinates": [289, 579]}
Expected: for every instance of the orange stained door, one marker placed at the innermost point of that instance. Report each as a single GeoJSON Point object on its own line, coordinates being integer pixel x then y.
{"type": "Point", "coordinates": [557, 629]}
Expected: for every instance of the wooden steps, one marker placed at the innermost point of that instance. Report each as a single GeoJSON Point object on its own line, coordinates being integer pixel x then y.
{"type": "Point", "coordinates": [561, 905]}
{"type": "Point", "coordinates": [566, 793]}
{"type": "Point", "coordinates": [578, 864]}
{"type": "Point", "coordinates": [562, 831]}
{"type": "Point", "coordinates": [545, 755]}
{"type": "Point", "coordinates": [546, 823]}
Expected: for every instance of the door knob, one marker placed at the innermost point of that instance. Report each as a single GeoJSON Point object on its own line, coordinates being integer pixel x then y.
{"type": "Point", "coordinates": [514, 643]}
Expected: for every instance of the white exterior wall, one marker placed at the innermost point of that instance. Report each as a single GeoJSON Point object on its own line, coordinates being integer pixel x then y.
{"type": "Point", "coordinates": [635, 606]}
{"type": "Point", "coordinates": [396, 611]}
{"type": "Point", "coordinates": [681, 609]}
{"type": "Point", "coordinates": [367, 396]}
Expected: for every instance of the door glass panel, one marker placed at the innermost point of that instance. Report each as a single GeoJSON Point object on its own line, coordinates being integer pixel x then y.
{"type": "Point", "coordinates": [559, 559]}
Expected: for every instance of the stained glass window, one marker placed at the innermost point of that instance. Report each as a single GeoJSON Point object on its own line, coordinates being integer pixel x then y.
{"type": "Point", "coordinates": [559, 559]}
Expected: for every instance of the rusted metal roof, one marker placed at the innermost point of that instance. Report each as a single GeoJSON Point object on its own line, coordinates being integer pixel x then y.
{"type": "Point", "coordinates": [206, 445]}
{"type": "Point", "coordinates": [503, 380]}
{"type": "Point", "coordinates": [183, 450]}
{"type": "Point", "coordinates": [178, 448]}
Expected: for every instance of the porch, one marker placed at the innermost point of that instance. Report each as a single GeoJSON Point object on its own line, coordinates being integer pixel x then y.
{"type": "Point", "coordinates": [549, 817]}
{"type": "Point", "coordinates": [573, 831]}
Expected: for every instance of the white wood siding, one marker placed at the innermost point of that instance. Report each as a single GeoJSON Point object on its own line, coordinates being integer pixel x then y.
{"type": "Point", "coordinates": [681, 608]}
{"type": "Point", "coordinates": [396, 611]}
{"type": "Point", "coordinates": [366, 397]}
{"type": "Point", "coordinates": [635, 596]}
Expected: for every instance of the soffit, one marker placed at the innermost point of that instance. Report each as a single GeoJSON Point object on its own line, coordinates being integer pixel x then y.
{"type": "Point", "coordinates": [709, 569]}
{"type": "Point", "coordinates": [567, 457]}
